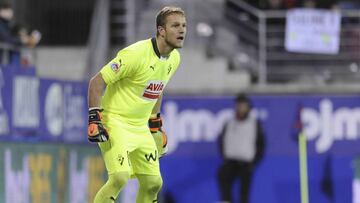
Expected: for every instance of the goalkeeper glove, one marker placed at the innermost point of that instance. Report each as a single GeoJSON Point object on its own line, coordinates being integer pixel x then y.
{"type": "Point", "coordinates": [96, 130]}
{"type": "Point", "coordinates": [158, 134]}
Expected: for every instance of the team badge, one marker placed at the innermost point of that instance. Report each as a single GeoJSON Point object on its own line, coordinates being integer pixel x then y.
{"type": "Point", "coordinates": [169, 69]}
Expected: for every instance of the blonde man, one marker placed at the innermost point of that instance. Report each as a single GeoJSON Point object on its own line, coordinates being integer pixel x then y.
{"type": "Point", "coordinates": [119, 119]}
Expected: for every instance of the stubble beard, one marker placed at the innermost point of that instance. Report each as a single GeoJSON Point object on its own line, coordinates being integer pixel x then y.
{"type": "Point", "coordinates": [172, 45]}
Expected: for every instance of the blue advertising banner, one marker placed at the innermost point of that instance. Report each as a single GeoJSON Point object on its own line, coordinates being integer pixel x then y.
{"type": "Point", "coordinates": [35, 110]}
{"type": "Point", "coordinates": [330, 124]}
{"type": "Point", "coordinates": [5, 100]}
{"type": "Point", "coordinates": [64, 112]}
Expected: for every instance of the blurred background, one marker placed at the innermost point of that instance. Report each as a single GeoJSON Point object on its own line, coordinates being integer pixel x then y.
{"type": "Point", "coordinates": [284, 54]}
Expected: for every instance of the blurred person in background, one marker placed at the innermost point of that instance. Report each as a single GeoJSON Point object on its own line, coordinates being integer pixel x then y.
{"type": "Point", "coordinates": [326, 4]}
{"type": "Point", "coordinates": [349, 4]}
{"type": "Point", "coordinates": [275, 5]}
{"type": "Point", "coordinates": [119, 119]}
{"type": "Point", "coordinates": [320, 4]}
{"type": "Point", "coordinates": [13, 35]}
{"type": "Point", "coordinates": [242, 146]}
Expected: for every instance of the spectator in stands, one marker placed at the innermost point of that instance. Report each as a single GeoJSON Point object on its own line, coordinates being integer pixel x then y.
{"type": "Point", "coordinates": [275, 5]}
{"type": "Point", "coordinates": [321, 4]}
{"type": "Point", "coordinates": [12, 34]}
{"type": "Point", "coordinates": [326, 4]}
{"type": "Point", "coordinates": [349, 4]}
{"type": "Point", "coordinates": [242, 147]}
{"type": "Point", "coordinates": [309, 4]}
{"type": "Point", "coordinates": [289, 4]}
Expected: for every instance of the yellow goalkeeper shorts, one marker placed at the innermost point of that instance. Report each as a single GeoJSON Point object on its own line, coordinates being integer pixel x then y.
{"type": "Point", "coordinates": [129, 148]}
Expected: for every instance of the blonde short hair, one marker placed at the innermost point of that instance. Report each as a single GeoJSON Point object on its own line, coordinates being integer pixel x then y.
{"type": "Point", "coordinates": [166, 11]}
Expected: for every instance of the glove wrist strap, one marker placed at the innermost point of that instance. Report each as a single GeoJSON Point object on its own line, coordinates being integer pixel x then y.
{"type": "Point", "coordinates": [95, 108]}
{"type": "Point", "coordinates": [155, 124]}
{"type": "Point", "coordinates": [95, 114]}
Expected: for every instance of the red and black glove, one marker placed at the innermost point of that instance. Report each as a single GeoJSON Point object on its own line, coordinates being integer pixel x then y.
{"type": "Point", "coordinates": [96, 130]}
{"type": "Point", "coordinates": [158, 134]}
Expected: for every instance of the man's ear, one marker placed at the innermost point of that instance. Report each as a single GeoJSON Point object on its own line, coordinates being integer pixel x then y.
{"type": "Point", "coordinates": [161, 31]}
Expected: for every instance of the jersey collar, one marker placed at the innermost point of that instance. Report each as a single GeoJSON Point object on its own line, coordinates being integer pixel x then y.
{"type": "Point", "coordinates": [156, 49]}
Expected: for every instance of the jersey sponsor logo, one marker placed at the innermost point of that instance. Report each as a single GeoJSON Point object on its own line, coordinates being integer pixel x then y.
{"type": "Point", "coordinates": [153, 89]}
{"type": "Point", "coordinates": [152, 67]}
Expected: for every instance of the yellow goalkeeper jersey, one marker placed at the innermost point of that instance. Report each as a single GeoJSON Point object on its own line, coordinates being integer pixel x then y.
{"type": "Point", "coordinates": [135, 79]}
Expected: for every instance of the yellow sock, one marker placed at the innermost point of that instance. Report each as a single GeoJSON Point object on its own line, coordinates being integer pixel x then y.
{"type": "Point", "coordinates": [109, 192]}
{"type": "Point", "coordinates": [149, 187]}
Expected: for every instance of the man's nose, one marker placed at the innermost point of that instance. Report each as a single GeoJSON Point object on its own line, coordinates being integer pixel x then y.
{"type": "Point", "coordinates": [182, 30]}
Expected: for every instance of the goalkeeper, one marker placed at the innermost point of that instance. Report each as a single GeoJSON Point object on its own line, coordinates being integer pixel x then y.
{"type": "Point", "coordinates": [125, 120]}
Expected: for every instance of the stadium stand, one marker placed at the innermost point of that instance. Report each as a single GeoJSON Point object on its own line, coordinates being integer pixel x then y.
{"type": "Point", "coordinates": [251, 24]}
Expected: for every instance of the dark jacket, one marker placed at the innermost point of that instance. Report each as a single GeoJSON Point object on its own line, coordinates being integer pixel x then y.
{"type": "Point", "coordinates": [8, 34]}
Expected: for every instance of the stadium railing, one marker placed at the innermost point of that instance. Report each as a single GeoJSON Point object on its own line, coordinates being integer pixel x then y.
{"type": "Point", "coordinates": [261, 35]}
{"type": "Point", "coordinates": [10, 54]}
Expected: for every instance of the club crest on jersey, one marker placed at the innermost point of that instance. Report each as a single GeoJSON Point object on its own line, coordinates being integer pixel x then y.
{"type": "Point", "coordinates": [153, 89]}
